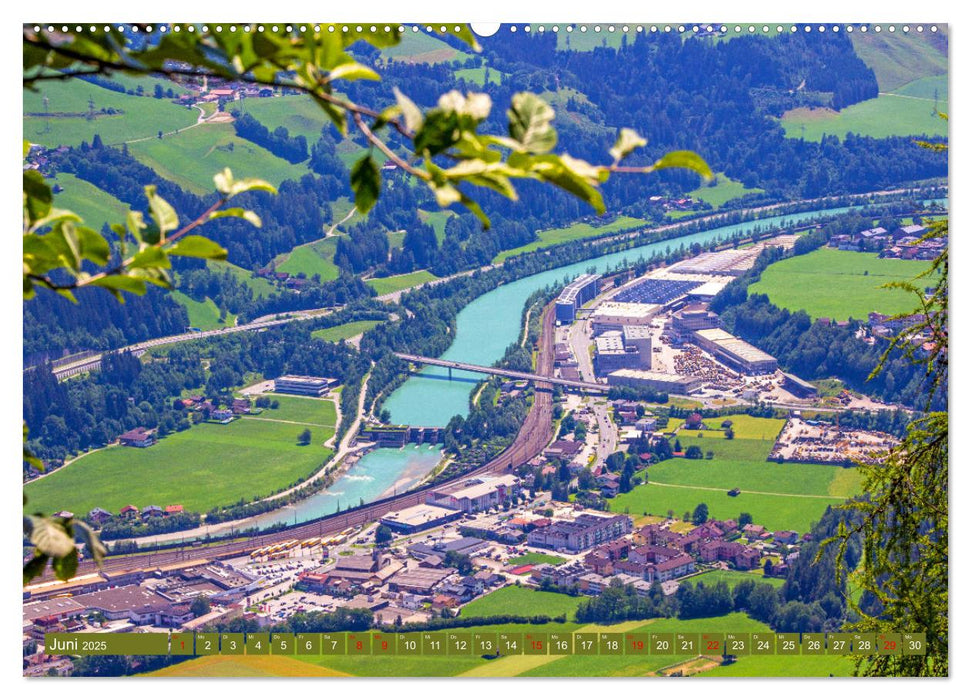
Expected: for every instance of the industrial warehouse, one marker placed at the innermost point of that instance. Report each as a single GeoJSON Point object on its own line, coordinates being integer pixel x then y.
{"type": "Point", "coordinates": [657, 333]}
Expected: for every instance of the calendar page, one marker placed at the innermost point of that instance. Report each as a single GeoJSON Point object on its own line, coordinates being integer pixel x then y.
{"type": "Point", "coordinates": [513, 350]}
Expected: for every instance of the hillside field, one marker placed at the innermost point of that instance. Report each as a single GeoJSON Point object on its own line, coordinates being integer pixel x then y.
{"type": "Point", "coordinates": [839, 284]}
{"type": "Point", "coordinates": [723, 190]}
{"type": "Point", "coordinates": [345, 330]}
{"type": "Point", "coordinates": [395, 283]}
{"type": "Point", "coordinates": [192, 157]}
{"type": "Point", "coordinates": [207, 465]}
{"type": "Point", "coordinates": [574, 232]}
{"type": "Point", "coordinates": [314, 258]}
{"type": "Point", "coordinates": [138, 117]}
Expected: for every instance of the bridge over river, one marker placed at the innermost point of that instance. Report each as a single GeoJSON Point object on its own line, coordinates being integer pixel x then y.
{"type": "Point", "coordinates": [497, 371]}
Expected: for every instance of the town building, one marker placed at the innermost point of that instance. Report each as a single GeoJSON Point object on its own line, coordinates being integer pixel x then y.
{"type": "Point", "coordinates": [735, 352]}
{"type": "Point", "coordinates": [575, 295]}
{"type": "Point", "coordinates": [138, 437]}
{"type": "Point", "coordinates": [798, 387]}
{"type": "Point", "coordinates": [302, 385]}
{"type": "Point", "coordinates": [585, 531]}
{"type": "Point", "coordinates": [629, 347]}
{"type": "Point", "coordinates": [614, 315]}
{"type": "Point", "coordinates": [655, 381]}
{"type": "Point", "coordinates": [478, 494]}
{"type": "Point", "coordinates": [423, 516]}
{"type": "Point", "coordinates": [693, 317]}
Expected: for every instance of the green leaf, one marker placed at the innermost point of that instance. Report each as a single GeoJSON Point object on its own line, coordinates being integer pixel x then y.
{"type": "Point", "coordinates": [35, 567]}
{"type": "Point", "coordinates": [239, 213]}
{"type": "Point", "coordinates": [120, 283]}
{"type": "Point", "coordinates": [38, 197]}
{"type": "Point", "coordinates": [685, 159]}
{"type": "Point", "coordinates": [152, 256]}
{"type": "Point", "coordinates": [530, 123]}
{"type": "Point", "coordinates": [409, 110]}
{"type": "Point", "coordinates": [162, 212]}
{"type": "Point", "coordinates": [50, 536]}
{"type": "Point", "coordinates": [353, 71]}
{"type": "Point", "coordinates": [627, 141]}
{"type": "Point", "coordinates": [229, 186]}
{"type": "Point", "coordinates": [198, 247]}
{"type": "Point", "coordinates": [93, 246]}
{"type": "Point", "coordinates": [65, 567]}
{"type": "Point", "coordinates": [90, 537]}
{"type": "Point", "coordinates": [366, 183]}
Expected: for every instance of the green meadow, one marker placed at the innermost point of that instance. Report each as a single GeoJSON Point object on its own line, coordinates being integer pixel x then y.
{"type": "Point", "coordinates": [722, 190]}
{"type": "Point", "coordinates": [574, 232]}
{"type": "Point", "coordinates": [515, 600]}
{"type": "Point", "coordinates": [91, 203]}
{"type": "Point", "coordinates": [207, 465]}
{"type": "Point", "coordinates": [779, 496]}
{"type": "Point", "coordinates": [76, 108]}
{"type": "Point", "coordinates": [840, 284]}
{"type": "Point", "coordinates": [204, 315]}
{"type": "Point", "coordinates": [345, 330]}
{"type": "Point", "coordinates": [314, 258]}
{"type": "Point", "coordinates": [395, 283]}
{"type": "Point", "coordinates": [191, 158]}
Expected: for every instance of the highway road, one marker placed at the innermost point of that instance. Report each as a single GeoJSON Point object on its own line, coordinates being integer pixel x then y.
{"type": "Point", "coordinates": [534, 435]}
{"type": "Point", "coordinates": [91, 362]}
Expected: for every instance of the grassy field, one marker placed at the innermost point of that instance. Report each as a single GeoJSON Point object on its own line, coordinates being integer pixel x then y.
{"type": "Point", "coordinates": [478, 75]}
{"type": "Point", "coordinates": [192, 157]}
{"type": "Point", "coordinates": [537, 558]}
{"type": "Point", "coordinates": [886, 115]}
{"type": "Point", "coordinates": [784, 667]}
{"type": "Point", "coordinates": [723, 190]}
{"type": "Point", "coordinates": [929, 88]}
{"type": "Point", "coordinates": [260, 286]}
{"type": "Point", "coordinates": [898, 59]}
{"type": "Point", "coordinates": [423, 47]}
{"type": "Point", "coordinates": [839, 284]}
{"type": "Point", "coordinates": [298, 113]}
{"type": "Point", "coordinates": [343, 331]}
{"type": "Point", "coordinates": [314, 258]}
{"type": "Point", "coordinates": [437, 220]}
{"type": "Point", "coordinates": [745, 427]}
{"type": "Point", "coordinates": [244, 666]}
{"type": "Point", "coordinates": [140, 117]}
{"type": "Point", "coordinates": [203, 315]}
{"type": "Point", "coordinates": [779, 496]}
{"type": "Point", "coordinates": [514, 600]}
{"type": "Point", "coordinates": [205, 466]}
{"type": "Point", "coordinates": [386, 285]}
{"type": "Point", "coordinates": [711, 578]}
{"type": "Point", "coordinates": [554, 236]}
{"type": "Point", "coordinates": [91, 203]}
{"type": "Point", "coordinates": [301, 409]}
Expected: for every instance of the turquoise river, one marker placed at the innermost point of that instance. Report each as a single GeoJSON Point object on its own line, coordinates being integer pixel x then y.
{"type": "Point", "coordinates": [485, 328]}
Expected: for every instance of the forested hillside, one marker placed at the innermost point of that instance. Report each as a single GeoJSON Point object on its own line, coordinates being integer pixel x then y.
{"type": "Point", "coordinates": [722, 99]}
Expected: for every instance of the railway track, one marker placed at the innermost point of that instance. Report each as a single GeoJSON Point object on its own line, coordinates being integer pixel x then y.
{"type": "Point", "coordinates": [533, 436]}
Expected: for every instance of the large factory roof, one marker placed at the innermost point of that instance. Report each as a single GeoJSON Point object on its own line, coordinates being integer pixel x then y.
{"type": "Point", "coordinates": [620, 309]}
{"type": "Point", "coordinates": [651, 376]}
{"type": "Point", "coordinates": [736, 346]}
